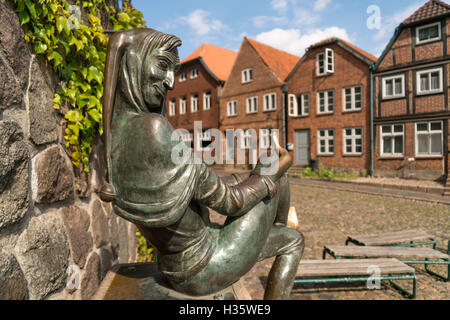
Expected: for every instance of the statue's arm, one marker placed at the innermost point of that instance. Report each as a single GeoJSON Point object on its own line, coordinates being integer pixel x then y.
{"type": "Point", "coordinates": [232, 199]}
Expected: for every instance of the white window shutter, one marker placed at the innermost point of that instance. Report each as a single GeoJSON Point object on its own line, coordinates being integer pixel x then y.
{"type": "Point", "coordinates": [329, 62]}
{"type": "Point", "coordinates": [293, 105]}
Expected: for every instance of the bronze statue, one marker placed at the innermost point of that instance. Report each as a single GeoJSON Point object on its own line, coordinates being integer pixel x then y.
{"type": "Point", "coordinates": [168, 202]}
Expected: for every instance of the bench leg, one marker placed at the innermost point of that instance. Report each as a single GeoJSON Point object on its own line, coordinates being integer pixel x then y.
{"type": "Point", "coordinates": [324, 254]}
{"type": "Point", "coordinates": [404, 291]}
{"type": "Point", "coordinates": [438, 275]}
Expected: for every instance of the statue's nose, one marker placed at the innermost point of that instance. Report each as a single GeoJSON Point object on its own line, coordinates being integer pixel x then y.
{"type": "Point", "coordinates": [168, 84]}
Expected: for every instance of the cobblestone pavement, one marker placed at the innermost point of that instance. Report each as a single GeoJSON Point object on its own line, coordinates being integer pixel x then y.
{"type": "Point", "coordinates": [327, 216]}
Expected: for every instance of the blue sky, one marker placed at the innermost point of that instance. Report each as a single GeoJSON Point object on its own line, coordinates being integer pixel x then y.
{"type": "Point", "coordinates": [290, 25]}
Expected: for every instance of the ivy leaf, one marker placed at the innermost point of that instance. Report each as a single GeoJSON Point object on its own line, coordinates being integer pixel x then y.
{"type": "Point", "coordinates": [74, 116]}
{"type": "Point", "coordinates": [24, 17]}
{"type": "Point", "coordinates": [40, 47]}
{"type": "Point", "coordinates": [60, 22]}
{"type": "Point", "coordinates": [95, 74]}
{"type": "Point", "coordinates": [95, 114]}
{"type": "Point", "coordinates": [57, 57]}
{"type": "Point", "coordinates": [31, 8]}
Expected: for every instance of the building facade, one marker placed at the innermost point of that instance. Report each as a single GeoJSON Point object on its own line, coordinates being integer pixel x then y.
{"type": "Point", "coordinates": [197, 89]}
{"type": "Point", "coordinates": [329, 107]}
{"type": "Point", "coordinates": [252, 107]}
{"type": "Point", "coordinates": [411, 97]}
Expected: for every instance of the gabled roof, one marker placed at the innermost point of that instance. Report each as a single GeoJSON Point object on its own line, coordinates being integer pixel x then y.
{"type": "Point", "coordinates": [278, 61]}
{"type": "Point", "coordinates": [429, 10]}
{"type": "Point", "coordinates": [358, 52]}
{"type": "Point", "coordinates": [218, 60]}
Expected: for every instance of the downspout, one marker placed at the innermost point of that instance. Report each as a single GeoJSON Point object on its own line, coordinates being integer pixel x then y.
{"type": "Point", "coordinates": [372, 131]}
{"type": "Point", "coordinates": [285, 124]}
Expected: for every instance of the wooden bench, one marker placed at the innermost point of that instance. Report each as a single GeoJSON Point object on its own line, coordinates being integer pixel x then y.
{"type": "Point", "coordinates": [422, 254]}
{"type": "Point", "coordinates": [356, 270]}
{"type": "Point", "coordinates": [407, 238]}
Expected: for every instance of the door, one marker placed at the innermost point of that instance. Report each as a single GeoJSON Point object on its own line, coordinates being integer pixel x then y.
{"type": "Point", "coordinates": [301, 147]}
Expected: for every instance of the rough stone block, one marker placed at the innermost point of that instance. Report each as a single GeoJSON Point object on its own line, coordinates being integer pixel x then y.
{"type": "Point", "coordinates": [12, 280]}
{"type": "Point", "coordinates": [43, 253]}
{"type": "Point", "coordinates": [100, 228]}
{"type": "Point", "coordinates": [123, 241]}
{"type": "Point", "coordinates": [106, 261]}
{"type": "Point", "coordinates": [91, 277]}
{"type": "Point", "coordinates": [52, 178]}
{"type": "Point", "coordinates": [13, 174]}
{"type": "Point", "coordinates": [76, 221]}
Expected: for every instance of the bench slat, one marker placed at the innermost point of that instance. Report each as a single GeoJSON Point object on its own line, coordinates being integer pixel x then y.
{"type": "Point", "coordinates": [379, 252]}
{"type": "Point", "coordinates": [392, 237]}
{"type": "Point", "coordinates": [353, 267]}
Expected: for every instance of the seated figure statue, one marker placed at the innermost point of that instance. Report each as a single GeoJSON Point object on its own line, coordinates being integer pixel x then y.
{"type": "Point", "coordinates": [169, 202]}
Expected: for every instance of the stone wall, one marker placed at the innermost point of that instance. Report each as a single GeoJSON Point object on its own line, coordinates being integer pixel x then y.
{"type": "Point", "coordinates": [52, 223]}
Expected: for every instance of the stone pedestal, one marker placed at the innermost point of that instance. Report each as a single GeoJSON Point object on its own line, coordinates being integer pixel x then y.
{"type": "Point", "coordinates": [143, 281]}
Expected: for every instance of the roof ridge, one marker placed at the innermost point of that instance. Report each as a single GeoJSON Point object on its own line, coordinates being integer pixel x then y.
{"type": "Point", "coordinates": [273, 48]}
{"type": "Point", "coordinates": [430, 9]}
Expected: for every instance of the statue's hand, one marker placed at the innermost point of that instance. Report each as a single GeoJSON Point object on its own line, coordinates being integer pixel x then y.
{"type": "Point", "coordinates": [273, 166]}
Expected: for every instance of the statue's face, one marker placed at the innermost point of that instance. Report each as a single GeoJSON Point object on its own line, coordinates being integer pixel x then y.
{"type": "Point", "coordinates": [159, 76]}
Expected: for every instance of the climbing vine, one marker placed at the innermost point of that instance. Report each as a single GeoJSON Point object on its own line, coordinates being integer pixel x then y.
{"type": "Point", "coordinates": [76, 50]}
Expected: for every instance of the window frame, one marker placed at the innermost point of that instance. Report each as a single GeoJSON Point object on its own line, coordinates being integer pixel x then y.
{"type": "Point", "coordinates": [254, 100]}
{"type": "Point", "coordinates": [419, 42]}
{"type": "Point", "coordinates": [205, 95]}
{"type": "Point", "coordinates": [172, 107]}
{"type": "Point", "coordinates": [246, 75]}
{"type": "Point", "coordinates": [353, 100]}
{"type": "Point", "coordinates": [233, 103]}
{"type": "Point", "coordinates": [392, 134]}
{"type": "Point", "coordinates": [328, 67]}
{"type": "Point", "coordinates": [182, 77]}
{"type": "Point", "coordinates": [194, 102]}
{"type": "Point", "coordinates": [392, 77]}
{"type": "Point", "coordinates": [327, 144]}
{"type": "Point", "coordinates": [429, 133]}
{"type": "Point", "coordinates": [194, 73]}
{"type": "Point", "coordinates": [274, 100]}
{"type": "Point", "coordinates": [326, 98]}
{"type": "Point", "coordinates": [353, 137]}
{"type": "Point", "coordinates": [429, 71]}
{"type": "Point", "coordinates": [183, 105]}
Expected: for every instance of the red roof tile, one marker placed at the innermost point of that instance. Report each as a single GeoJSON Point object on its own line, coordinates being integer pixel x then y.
{"type": "Point", "coordinates": [218, 60]}
{"type": "Point", "coordinates": [279, 61]}
{"type": "Point", "coordinates": [430, 9]}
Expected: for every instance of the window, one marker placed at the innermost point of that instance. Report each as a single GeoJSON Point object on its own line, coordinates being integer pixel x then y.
{"type": "Point", "coordinates": [325, 142]}
{"type": "Point", "coordinates": [325, 62]}
{"type": "Point", "coordinates": [298, 106]}
{"type": "Point", "coordinates": [429, 81]}
{"type": "Point", "coordinates": [252, 105]}
{"type": "Point", "coordinates": [194, 103]}
{"type": "Point", "coordinates": [204, 140]}
{"type": "Point", "coordinates": [270, 102]}
{"type": "Point", "coordinates": [183, 77]}
{"type": "Point", "coordinates": [232, 108]}
{"type": "Point", "coordinates": [183, 105]}
{"type": "Point", "coordinates": [207, 100]}
{"type": "Point", "coordinates": [247, 138]}
{"type": "Point", "coordinates": [392, 137]}
{"type": "Point", "coordinates": [172, 107]}
{"type": "Point", "coordinates": [353, 98]}
{"type": "Point", "coordinates": [264, 138]}
{"type": "Point", "coordinates": [428, 33]}
{"type": "Point", "coordinates": [247, 75]}
{"type": "Point", "coordinates": [393, 87]}
{"type": "Point", "coordinates": [353, 141]}
{"type": "Point", "coordinates": [429, 138]}
{"type": "Point", "coordinates": [194, 73]}
{"type": "Point", "coordinates": [325, 102]}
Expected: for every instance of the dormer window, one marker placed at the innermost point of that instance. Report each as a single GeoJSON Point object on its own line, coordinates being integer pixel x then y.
{"type": "Point", "coordinates": [325, 62]}
{"type": "Point", "coordinates": [194, 73]}
{"type": "Point", "coordinates": [247, 75]}
{"type": "Point", "coordinates": [428, 33]}
{"type": "Point", "coordinates": [183, 77]}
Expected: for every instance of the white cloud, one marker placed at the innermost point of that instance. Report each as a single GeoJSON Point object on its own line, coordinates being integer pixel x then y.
{"type": "Point", "coordinates": [202, 24]}
{"type": "Point", "coordinates": [305, 17]}
{"type": "Point", "coordinates": [319, 5]}
{"type": "Point", "coordinates": [294, 42]}
{"type": "Point", "coordinates": [389, 24]}
{"type": "Point", "coordinates": [279, 4]}
{"type": "Point", "coordinates": [261, 21]}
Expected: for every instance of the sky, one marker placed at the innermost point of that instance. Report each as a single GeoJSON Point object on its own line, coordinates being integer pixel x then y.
{"type": "Point", "coordinates": [289, 25]}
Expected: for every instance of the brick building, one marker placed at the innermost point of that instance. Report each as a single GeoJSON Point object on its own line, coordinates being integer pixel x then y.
{"type": "Point", "coordinates": [329, 107]}
{"type": "Point", "coordinates": [411, 97]}
{"type": "Point", "coordinates": [253, 98]}
{"type": "Point", "coordinates": [197, 88]}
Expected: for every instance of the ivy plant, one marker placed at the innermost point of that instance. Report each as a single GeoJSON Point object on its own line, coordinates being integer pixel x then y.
{"type": "Point", "coordinates": [76, 50]}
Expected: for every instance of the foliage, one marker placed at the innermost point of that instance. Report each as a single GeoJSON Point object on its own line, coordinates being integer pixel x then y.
{"type": "Point", "coordinates": [77, 52]}
{"type": "Point", "coordinates": [145, 252]}
{"type": "Point", "coordinates": [325, 173]}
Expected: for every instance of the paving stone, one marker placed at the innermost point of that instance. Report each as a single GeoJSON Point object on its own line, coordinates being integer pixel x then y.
{"type": "Point", "coordinates": [43, 253]}
{"type": "Point", "coordinates": [52, 178]}
{"type": "Point", "coordinates": [13, 174]}
{"type": "Point", "coordinates": [12, 280]}
{"type": "Point", "coordinates": [76, 222]}
{"type": "Point", "coordinates": [91, 277]}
